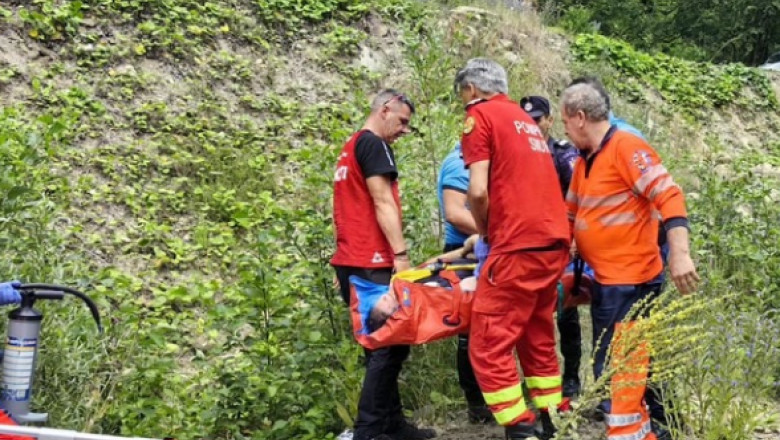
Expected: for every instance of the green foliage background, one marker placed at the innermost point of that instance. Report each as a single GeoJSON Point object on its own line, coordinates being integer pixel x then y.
{"type": "Point", "coordinates": [708, 30]}
{"type": "Point", "coordinates": [173, 159]}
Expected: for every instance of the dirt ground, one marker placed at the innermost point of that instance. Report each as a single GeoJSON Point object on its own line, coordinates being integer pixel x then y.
{"type": "Point", "coordinates": [588, 430]}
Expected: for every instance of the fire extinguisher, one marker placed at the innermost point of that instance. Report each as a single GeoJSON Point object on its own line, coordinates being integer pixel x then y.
{"type": "Point", "coordinates": [21, 348]}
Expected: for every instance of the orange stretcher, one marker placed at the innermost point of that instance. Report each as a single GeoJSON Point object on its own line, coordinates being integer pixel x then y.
{"type": "Point", "coordinates": [426, 312]}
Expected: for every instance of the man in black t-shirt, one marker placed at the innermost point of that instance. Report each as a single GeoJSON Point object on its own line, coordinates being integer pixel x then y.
{"type": "Point", "coordinates": [370, 245]}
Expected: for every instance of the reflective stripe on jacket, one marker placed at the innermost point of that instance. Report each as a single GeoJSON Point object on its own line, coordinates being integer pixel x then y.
{"type": "Point", "coordinates": [612, 203]}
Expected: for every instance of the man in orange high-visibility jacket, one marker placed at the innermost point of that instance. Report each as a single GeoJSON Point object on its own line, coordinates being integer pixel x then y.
{"type": "Point", "coordinates": [525, 228]}
{"type": "Point", "coordinates": [618, 187]}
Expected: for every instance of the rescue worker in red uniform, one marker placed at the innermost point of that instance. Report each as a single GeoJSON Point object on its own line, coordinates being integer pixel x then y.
{"type": "Point", "coordinates": [519, 212]}
{"type": "Point", "coordinates": [370, 245]}
{"type": "Point", "coordinates": [618, 187]}
{"type": "Point", "coordinates": [564, 155]}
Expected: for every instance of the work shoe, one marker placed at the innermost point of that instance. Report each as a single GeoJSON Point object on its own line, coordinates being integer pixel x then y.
{"type": "Point", "coordinates": [601, 410]}
{"type": "Point", "coordinates": [571, 387]}
{"type": "Point", "coordinates": [349, 435]}
{"type": "Point", "coordinates": [661, 433]}
{"type": "Point", "coordinates": [408, 431]}
{"type": "Point", "coordinates": [480, 415]}
{"type": "Point", "coordinates": [547, 430]}
{"type": "Point", "coordinates": [521, 431]}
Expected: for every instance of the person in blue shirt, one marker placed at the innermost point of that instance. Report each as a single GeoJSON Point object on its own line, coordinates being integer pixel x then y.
{"type": "Point", "coordinates": [564, 154]}
{"type": "Point", "coordinates": [624, 126]}
{"type": "Point", "coordinates": [458, 226]}
{"type": "Point", "coordinates": [452, 187]}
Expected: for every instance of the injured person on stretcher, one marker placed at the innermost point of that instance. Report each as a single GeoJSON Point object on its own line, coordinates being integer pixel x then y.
{"type": "Point", "coordinates": [432, 302]}
{"type": "Point", "coordinates": [460, 260]}
{"type": "Point", "coordinates": [419, 306]}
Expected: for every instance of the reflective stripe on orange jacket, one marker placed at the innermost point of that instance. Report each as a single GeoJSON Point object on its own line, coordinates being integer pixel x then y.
{"type": "Point", "coordinates": [613, 202]}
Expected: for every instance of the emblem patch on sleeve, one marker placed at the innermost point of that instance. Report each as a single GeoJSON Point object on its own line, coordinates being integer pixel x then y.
{"type": "Point", "coordinates": [642, 160]}
{"type": "Point", "coordinates": [469, 124]}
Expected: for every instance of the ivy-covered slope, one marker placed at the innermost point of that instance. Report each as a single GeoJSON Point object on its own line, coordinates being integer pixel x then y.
{"type": "Point", "coordinates": [173, 158]}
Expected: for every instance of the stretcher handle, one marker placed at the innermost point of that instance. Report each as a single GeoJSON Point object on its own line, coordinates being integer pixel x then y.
{"type": "Point", "coordinates": [453, 319]}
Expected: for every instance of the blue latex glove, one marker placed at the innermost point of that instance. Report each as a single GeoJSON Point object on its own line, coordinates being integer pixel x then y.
{"type": "Point", "coordinates": [9, 294]}
{"type": "Point", "coordinates": [481, 251]}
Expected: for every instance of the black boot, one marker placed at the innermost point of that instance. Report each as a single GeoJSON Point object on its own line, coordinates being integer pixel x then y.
{"type": "Point", "coordinates": [571, 387]}
{"type": "Point", "coordinates": [548, 429]}
{"type": "Point", "coordinates": [479, 414]}
{"type": "Point", "coordinates": [521, 431]}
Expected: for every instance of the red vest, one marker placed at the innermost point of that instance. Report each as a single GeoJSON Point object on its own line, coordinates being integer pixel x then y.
{"type": "Point", "coordinates": [360, 241]}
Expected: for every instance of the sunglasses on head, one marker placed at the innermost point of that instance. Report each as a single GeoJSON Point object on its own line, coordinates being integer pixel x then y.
{"type": "Point", "coordinates": [402, 99]}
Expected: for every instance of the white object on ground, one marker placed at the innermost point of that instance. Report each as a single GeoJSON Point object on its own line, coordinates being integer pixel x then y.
{"type": "Point", "coordinates": [346, 435]}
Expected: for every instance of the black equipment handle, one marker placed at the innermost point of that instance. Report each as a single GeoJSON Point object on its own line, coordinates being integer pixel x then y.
{"type": "Point", "coordinates": [53, 291]}
{"type": "Point", "coordinates": [48, 294]}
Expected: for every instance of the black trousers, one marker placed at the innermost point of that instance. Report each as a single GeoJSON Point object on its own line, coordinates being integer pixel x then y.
{"type": "Point", "coordinates": [466, 378]}
{"type": "Point", "coordinates": [571, 342]}
{"type": "Point", "coordinates": [379, 408]}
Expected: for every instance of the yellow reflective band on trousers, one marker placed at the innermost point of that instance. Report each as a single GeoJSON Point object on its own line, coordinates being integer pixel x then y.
{"type": "Point", "coordinates": [543, 383]}
{"type": "Point", "coordinates": [505, 416]}
{"type": "Point", "coordinates": [548, 400]}
{"type": "Point", "coordinates": [504, 396]}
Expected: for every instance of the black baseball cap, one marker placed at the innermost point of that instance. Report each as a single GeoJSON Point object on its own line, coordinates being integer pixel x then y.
{"type": "Point", "coordinates": [535, 106]}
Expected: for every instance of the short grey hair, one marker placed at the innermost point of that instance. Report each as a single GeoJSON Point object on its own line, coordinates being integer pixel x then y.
{"type": "Point", "coordinates": [486, 75]}
{"type": "Point", "coordinates": [588, 98]}
{"type": "Point", "coordinates": [386, 95]}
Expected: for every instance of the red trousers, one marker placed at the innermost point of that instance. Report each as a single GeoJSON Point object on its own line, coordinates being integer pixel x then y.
{"type": "Point", "coordinates": [513, 310]}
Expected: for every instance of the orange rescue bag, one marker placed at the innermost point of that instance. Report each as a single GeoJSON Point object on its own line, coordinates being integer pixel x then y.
{"type": "Point", "coordinates": [425, 313]}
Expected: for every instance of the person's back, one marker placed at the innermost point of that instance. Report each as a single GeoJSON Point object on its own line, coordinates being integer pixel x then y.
{"type": "Point", "coordinates": [564, 155]}
{"type": "Point", "coordinates": [518, 209]}
{"type": "Point", "coordinates": [519, 158]}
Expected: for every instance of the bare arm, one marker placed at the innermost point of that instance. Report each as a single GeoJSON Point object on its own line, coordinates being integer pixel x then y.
{"type": "Point", "coordinates": [456, 213]}
{"type": "Point", "coordinates": [478, 194]}
{"type": "Point", "coordinates": [681, 266]}
{"type": "Point", "coordinates": [462, 252]}
{"type": "Point", "coordinates": [387, 212]}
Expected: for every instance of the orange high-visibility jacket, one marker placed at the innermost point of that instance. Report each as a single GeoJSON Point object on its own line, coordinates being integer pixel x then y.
{"type": "Point", "coordinates": [425, 314]}
{"type": "Point", "coordinates": [613, 204]}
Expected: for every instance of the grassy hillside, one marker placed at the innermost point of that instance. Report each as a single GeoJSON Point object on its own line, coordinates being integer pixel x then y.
{"type": "Point", "coordinates": [173, 159]}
